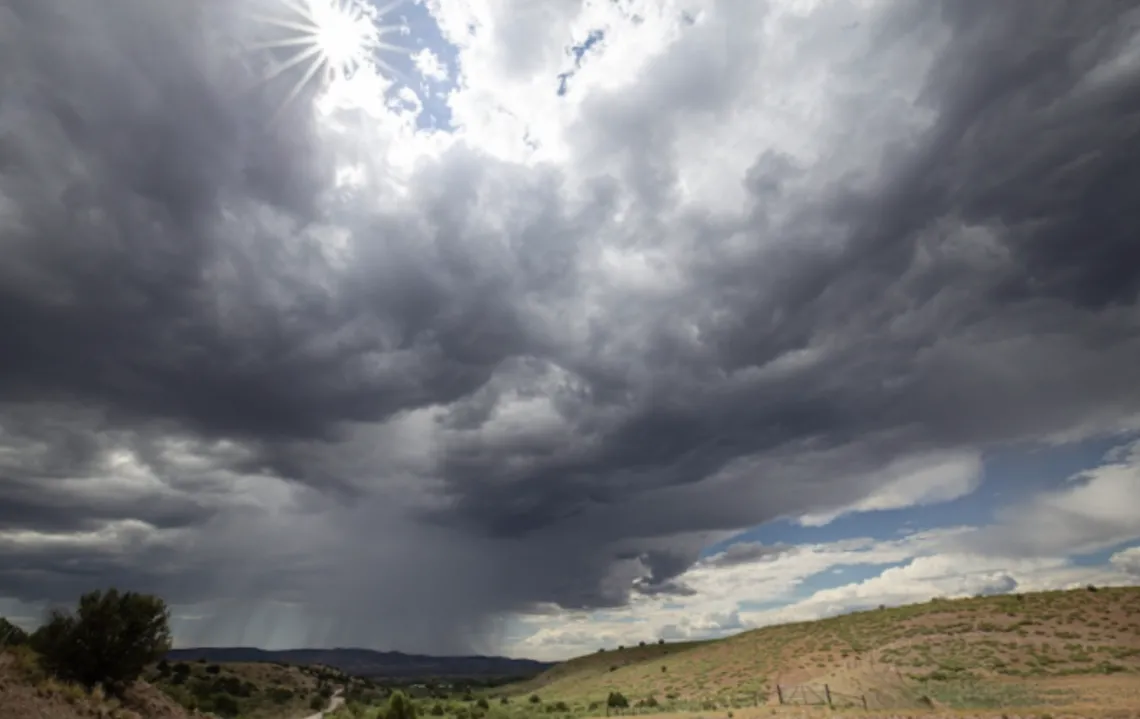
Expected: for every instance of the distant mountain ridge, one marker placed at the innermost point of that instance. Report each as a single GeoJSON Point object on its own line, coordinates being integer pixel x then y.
{"type": "Point", "coordinates": [370, 663]}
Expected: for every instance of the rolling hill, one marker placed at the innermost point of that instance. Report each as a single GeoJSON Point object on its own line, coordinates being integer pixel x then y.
{"type": "Point", "coordinates": [966, 652]}
{"type": "Point", "coordinates": [373, 664]}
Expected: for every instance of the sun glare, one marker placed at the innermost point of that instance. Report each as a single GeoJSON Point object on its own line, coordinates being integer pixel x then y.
{"type": "Point", "coordinates": [327, 40]}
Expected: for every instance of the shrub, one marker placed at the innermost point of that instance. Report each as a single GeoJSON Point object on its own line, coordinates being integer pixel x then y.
{"type": "Point", "coordinates": [437, 710]}
{"type": "Point", "coordinates": [482, 704]}
{"type": "Point", "coordinates": [225, 705]}
{"type": "Point", "coordinates": [11, 635]}
{"type": "Point", "coordinates": [504, 701]}
{"type": "Point", "coordinates": [110, 639]}
{"type": "Point", "coordinates": [213, 669]}
{"type": "Point", "coordinates": [660, 641]}
{"type": "Point", "coordinates": [617, 700]}
{"type": "Point", "coordinates": [535, 699]}
{"type": "Point", "coordinates": [400, 707]}
{"type": "Point", "coordinates": [317, 703]}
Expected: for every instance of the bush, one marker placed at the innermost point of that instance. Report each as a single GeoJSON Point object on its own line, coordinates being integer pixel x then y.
{"type": "Point", "coordinates": [110, 639]}
{"type": "Point", "coordinates": [660, 641]}
{"type": "Point", "coordinates": [225, 705]}
{"type": "Point", "coordinates": [437, 710]}
{"type": "Point", "coordinates": [535, 699]}
{"type": "Point", "coordinates": [11, 635]}
{"type": "Point", "coordinates": [482, 704]}
{"type": "Point", "coordinates": [400, 707]}
{"type": "Point", "coordinates": [317, 703]}
{"type": "Point", "coordinates": [213, 669]}
{"type": "Point", "coordinates": [617, 700]}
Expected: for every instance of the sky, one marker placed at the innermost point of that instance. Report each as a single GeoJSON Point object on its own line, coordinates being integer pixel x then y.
{"type": "Point", "coordinates": [534, 326]}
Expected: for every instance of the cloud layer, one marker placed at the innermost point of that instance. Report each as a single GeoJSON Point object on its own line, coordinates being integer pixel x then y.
{"type": "Point", "coordinates": [761, 259]}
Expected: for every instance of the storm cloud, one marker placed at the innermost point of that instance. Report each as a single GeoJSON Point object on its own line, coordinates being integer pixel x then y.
{"type": "Point", "coordinates": [791, 249]}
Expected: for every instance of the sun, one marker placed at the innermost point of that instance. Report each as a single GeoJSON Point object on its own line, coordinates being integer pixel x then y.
{"type": "Point", "coordinates": [344, 35]}
{"type": "Point", "coordinates": [326, 40]}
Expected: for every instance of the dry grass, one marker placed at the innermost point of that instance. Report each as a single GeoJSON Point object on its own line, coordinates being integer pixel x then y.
{"type": "Point", "coordinates": [981, 653]}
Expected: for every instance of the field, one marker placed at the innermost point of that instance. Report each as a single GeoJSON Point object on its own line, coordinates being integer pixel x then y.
{"type": "Point", "coordinates": [1078, 649]}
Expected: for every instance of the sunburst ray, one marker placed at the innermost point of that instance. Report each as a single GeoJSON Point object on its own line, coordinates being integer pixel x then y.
{"type": "Point", "coordinates": [329, 39]}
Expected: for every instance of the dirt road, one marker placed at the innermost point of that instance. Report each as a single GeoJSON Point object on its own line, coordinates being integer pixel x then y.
{"type": "Point", "coordinates": [334, 703]}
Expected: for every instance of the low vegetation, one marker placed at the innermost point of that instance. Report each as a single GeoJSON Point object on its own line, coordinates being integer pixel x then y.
{"type": "Point", "coordinates": [248, 691]}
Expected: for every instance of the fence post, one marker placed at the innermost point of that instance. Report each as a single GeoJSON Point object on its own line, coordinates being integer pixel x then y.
{"type": "Point", "coordinates": [827, 693]}
{"type": "Point", "coordinates": [780, 694]}
{"type": "Point", "coordinates": [864, 696]}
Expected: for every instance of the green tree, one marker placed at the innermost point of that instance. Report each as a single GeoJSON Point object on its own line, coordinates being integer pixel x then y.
{"type": "Point", "coordinates": [11, 635]}
{"type": "Point", "coordinates": [400, 707]}
{"type": "Point", "coordinates": [109, 640]}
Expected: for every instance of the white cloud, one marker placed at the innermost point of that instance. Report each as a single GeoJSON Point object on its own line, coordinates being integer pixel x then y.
{"type": "Point", "coordinates": [429, 65]}
{"type": "Point", "coordinates": [1127, 561]}
{"type": "Point", "coordinates": [913, 481]}
{"type": "Point", "coordinates": [1099, 509]}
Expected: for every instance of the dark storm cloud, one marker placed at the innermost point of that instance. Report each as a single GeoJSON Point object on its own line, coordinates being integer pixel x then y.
{"type": "Point", "coordinates": [165, 276]}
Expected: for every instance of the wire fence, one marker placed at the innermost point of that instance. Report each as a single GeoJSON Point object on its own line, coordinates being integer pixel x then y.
{"type": "Point", "coordinates": [818, 695]}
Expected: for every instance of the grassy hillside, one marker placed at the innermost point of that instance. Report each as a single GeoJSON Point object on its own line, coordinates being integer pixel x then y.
{"type": "Point", "coordinates": [968, 652]}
